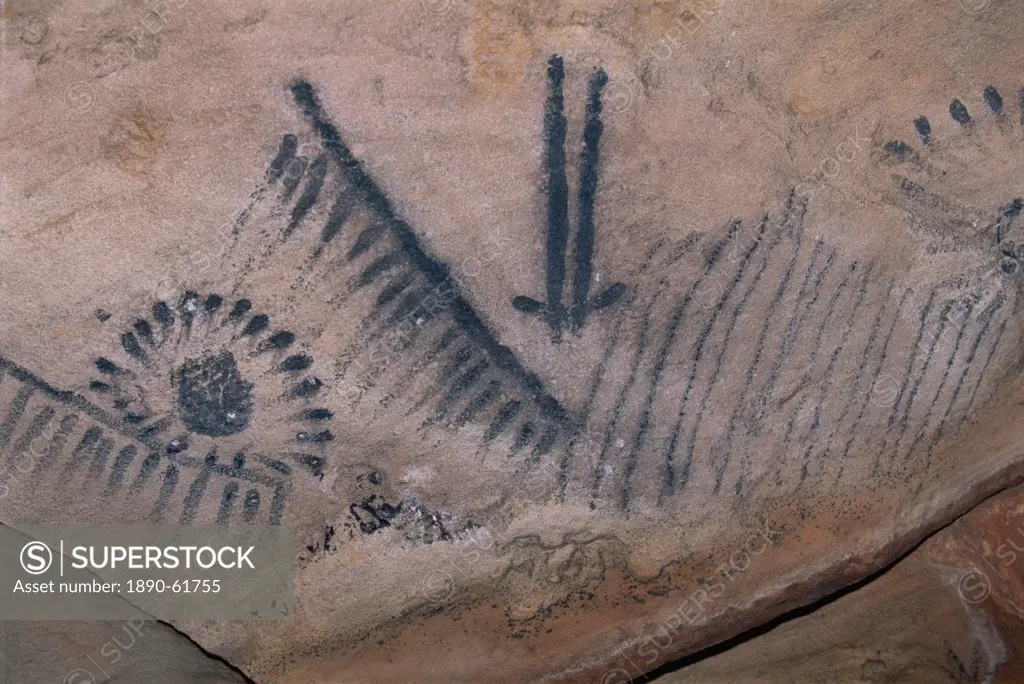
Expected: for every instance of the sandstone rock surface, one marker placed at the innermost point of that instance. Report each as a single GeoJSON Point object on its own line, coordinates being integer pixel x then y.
{"type": "Point", "coordinates": [550, 327]}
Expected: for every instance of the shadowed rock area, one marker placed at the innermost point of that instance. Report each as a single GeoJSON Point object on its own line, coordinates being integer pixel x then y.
{"type": "Point", "coordinates": [948, 612]}
{"type": "Point", "coordinates": [571, 338]}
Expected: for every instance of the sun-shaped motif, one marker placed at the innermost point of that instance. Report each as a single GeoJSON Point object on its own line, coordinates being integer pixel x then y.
{"type": "Point", "coordinates": [958, 177]}
{"type": "Point", "coordinates": [206, 376]}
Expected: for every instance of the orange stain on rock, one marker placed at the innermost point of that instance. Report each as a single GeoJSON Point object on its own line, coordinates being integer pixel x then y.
{"type": "Point", "coordinates": [499, 44]}
{"type": "Point", "coordinates": [133, 141]}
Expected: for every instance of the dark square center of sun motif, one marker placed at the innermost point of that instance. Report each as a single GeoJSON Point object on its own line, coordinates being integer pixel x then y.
{"type": "Point", "coordinates": [213, 397]}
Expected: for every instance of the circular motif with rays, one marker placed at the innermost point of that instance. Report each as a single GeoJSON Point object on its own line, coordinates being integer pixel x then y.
{"type": "Point", "coordinates": [208, 376]}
